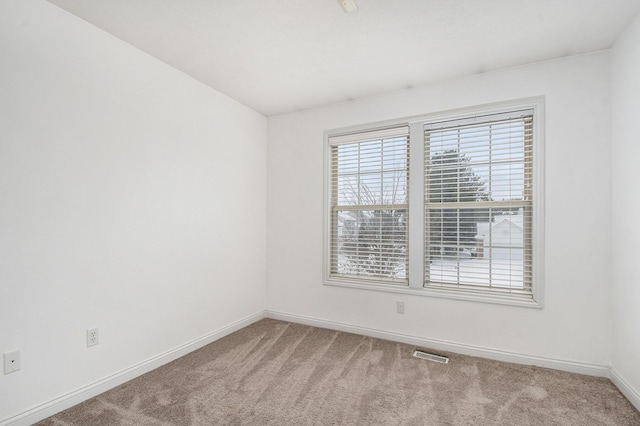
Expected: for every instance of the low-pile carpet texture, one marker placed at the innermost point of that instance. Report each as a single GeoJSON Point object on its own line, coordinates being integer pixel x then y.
{"type": "Point", "coordinates": [279, 373]}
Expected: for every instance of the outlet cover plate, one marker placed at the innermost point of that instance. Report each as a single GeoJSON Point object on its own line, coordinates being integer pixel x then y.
{"type": "Point", "coordinates": [93, 337]}
{"type": "Point", "coordinates": [11, 362]}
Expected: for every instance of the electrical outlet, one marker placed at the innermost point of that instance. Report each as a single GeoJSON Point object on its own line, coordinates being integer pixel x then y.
{"type": "Point", "coordinates": [11, 362]}
{"type": "Point", "coordinates": [400, 307]}
{"type": "Point", "coordinates": [92, 337]}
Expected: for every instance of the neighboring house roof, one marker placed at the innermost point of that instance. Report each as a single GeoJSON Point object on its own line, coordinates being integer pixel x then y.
{"type": "Point", "coordinates": [511, 222]}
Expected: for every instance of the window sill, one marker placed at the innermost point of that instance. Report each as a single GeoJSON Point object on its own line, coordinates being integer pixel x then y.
{"type": "Point", "coordinates": [468, 295]}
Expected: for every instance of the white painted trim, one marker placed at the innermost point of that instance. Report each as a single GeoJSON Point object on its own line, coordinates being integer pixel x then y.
{"type": "Point", "coordinates": [63, 402]}
{"type": "Point", "coordinates": [627, 390]}
{"type": "Point", "coordinates": [416, 207]}
{"type": "Point", "coordinates": [442, 345]}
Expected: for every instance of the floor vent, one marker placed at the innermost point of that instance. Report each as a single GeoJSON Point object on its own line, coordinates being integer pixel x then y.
{"type": "Point", "coordinates": [431, 357]}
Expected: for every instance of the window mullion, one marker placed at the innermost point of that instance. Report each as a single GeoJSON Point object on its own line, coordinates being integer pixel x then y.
{"type": "Point", "coordinates": [416, 205]}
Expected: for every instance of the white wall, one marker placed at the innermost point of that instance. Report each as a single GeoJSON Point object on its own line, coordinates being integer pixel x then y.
{"type": "Point", "coordinates": [112, 214]}
{"type": "Point", "coordinates": [575, 324]}
{"type": "Point", "coordinates": [132, 198]}
{"type": "Point", "coordinates": [625, 90]}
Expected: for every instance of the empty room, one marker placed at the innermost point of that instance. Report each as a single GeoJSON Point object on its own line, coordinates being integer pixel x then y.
{"type": "Point", "coordinates": [319, 212]}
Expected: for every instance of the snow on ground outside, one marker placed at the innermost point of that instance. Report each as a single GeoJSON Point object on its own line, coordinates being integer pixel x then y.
{"type": "Point", "coordinates": [477, 271]}
{"type": "Point", "coordinates": [505, 273]}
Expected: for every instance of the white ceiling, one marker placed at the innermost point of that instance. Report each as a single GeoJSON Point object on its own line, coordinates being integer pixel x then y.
{"type": "Point", "coordinates": [278, 56]}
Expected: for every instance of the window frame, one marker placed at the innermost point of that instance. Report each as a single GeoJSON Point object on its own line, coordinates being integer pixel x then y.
{"type": "Point", "coordinates": [360, 140]}
{"type": "Point", "coordinates": [416, 192]}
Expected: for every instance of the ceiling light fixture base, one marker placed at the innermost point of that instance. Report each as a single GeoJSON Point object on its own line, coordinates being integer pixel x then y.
{"type": "Point", "coordinates": [348, 5]}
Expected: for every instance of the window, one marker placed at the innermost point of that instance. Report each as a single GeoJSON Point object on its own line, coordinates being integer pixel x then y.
{"type": "Point", "coordinates": [471, 182]}
{"type": "Point", "coordinates": [369, 205]}
{"type": "Point", "coordinates": [478, 204]}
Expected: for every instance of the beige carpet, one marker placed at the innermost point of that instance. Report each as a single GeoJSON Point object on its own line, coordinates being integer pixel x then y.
{"type": "Point", "coordinates": [278, 373]}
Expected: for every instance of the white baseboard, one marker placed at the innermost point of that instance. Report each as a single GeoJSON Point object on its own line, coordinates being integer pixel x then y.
{"type": "Point", "coordinates": [66, 401]}
{"type": "Point", "coordinates": [73, 398]}
{"type": "Point", "coordinates": [442, 345]}
{"type": "Point", "coordinates": [632, 395]}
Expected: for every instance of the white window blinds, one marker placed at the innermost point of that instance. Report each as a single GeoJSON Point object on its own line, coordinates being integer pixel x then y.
{"type": "Point", "coordinates": [369, 205]}
{"type": "Point", "coordinates": [478, 203]}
